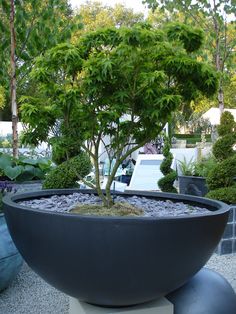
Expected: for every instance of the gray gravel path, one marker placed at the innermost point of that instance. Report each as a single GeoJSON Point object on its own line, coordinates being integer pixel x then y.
{"type": "Point", "coordinates": [29, 294]}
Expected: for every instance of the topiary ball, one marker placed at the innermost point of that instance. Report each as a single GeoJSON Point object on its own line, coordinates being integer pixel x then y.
{"type": "Point", "coordinates": [227, 195]}
{"type": "Point", "coordinates": [222, 175]}
{"type": "Point", "coordinates": [66, 174]}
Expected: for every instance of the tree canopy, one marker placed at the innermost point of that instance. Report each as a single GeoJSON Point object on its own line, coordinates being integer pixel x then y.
{"type": "Point", "coordinates": [218, 19]}
{"type": "Point", "coordinates": [39, 25]}
{"type": "Point", "coordinates": [120, 82]}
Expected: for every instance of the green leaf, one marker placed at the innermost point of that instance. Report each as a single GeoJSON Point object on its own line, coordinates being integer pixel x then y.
{"type": "Point", "coordinates": [39, 174]}
{"type": "Point", "coordinates": [13, 172]}
{"type": "Point", "coordinates": [30, 161]}
{"type": "Point", "coordinates": [5, 161]}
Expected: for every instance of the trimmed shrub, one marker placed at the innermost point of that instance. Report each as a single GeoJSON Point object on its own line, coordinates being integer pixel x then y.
{"type": "Point", "coordinates": [227, 195]}
{"type": "Point", "coordinates": [222, 175]}
{"type": "Point", "coordinates": [220, 180]}
{"type": "Point", "coordinates": [223, 147]}
{"type": "Point", "coordinates": [166, 183]}
{"type": "Point", "coordinates": [66, 174]}
{"type": "Point", "coordinates": [227, 124]}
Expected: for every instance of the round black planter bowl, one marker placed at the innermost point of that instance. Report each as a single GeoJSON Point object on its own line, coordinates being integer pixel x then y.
{"type": "Point", "coordinates": [115, 261]}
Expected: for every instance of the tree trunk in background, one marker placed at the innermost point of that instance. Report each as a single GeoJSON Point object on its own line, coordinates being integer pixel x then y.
{"type": "Point", "coordinates": [218, 60]}
{"type": "Point", "coordinates": [13, 83]}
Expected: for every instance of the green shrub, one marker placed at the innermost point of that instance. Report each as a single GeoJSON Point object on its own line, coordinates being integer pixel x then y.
{"type": "Point", "coordinates": [227, 195]}
{"type": "Point", "coordinates": [222, 175]}
{"type": "Point", "coordinates": [64, 148]}
{"type": "Point", "coordinates": [227, 124]}
{"type": "Point", "coordinates": [203, 167]}
{"type": "Point", "coordinates": [166, 183]}
{"type": "Point", "coordinates": [220, 180]}
{"type": "Point", "coordinates": [66, 174]}
{"type": "Point", "coordinates": [223, 147]}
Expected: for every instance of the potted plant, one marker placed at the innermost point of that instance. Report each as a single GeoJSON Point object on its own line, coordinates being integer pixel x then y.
{"type": "Point", "coordinates": [10, 258]}
{"type": "Point", "coordinates": [192, 179]}
{"type": "Point", "coordinates": [117, 83]}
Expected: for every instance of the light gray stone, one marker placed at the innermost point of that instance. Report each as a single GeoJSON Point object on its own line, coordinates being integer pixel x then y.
{"type": "Point", "coordinates": [161, 306]}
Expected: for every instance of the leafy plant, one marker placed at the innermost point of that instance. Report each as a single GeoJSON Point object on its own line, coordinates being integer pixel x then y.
{"type": "Point", "coordinates": [199, 168]}
{"type": "Point", "coordinates": [24, 169]}
{"type": "Point", "coordinates": [117, 82]}
{"type": "Point", "coordinates": [66, 174]}
{"type": "Point", "coordinates": [187, 168]}
{"type": "Point", "coordinates": [166, 183]}
{"type": "Point", "coordinates": [204, 166]}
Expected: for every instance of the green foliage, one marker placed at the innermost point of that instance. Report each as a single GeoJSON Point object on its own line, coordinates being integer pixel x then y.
{"type": "Point", "coordinates": [223, 148]}
{"type": "Point", "coordinates": [197, 168]}
{"type": "Point", "coordinates": [187, 168]}
{"type": "Point", "coordinates": [227, 195]}
{"type": "Point", "coordinates": [166, 183]}
{"type": "Point", "coordinates": [227, 124]}
{"type": "Point", "coordinates": [217, 19]}
{"type": "Point", "coordinates": [220, 179]}
{"type": "Point", "coordinates": [24, 169]}
{"type": "Point", "coordinates": [52, 21]}
{"type": "Point", "coordinates": [222, 175]}
{"type": "Point", "coordinates": [95, 15]}
{"type": "Point", "coordinates": [192, 40]}
{"type": "Point", "coordinates": [204, 167]}
{"type": "Point", "coordinates": [114, 73]}
{"type": "Point", "coordinates": [66, 174]}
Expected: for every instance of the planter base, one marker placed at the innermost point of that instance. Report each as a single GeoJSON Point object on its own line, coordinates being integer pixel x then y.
{"type": "Point", "coordinates": [161, 306]}
{"type": "Point", "coordinates": [206, 292]}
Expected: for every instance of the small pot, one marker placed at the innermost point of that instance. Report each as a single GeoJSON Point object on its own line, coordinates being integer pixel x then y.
{"type": "Point", "coordinates": [192, 185]}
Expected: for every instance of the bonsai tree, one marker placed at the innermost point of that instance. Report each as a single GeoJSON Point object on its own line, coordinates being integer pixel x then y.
{"type": "Point", "coordinates": [220, 180]}
{"type": "Point", "coordinates": [166, 183]}
{"type": "Point", "coordinates": [122, 83]}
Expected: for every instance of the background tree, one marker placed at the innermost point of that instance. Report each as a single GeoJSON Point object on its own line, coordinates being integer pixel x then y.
{"type": "Point", "coordinates": [35, 27]}
{"type": "Point", "coordinates": [217, 18]}
{"type": "Point", "coordinates": [96, 15]}
{"type": "Point", "coordinates": [122, 83]}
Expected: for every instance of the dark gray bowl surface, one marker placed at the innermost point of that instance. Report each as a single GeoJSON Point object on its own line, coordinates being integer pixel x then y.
{"type": "Point", "coordinates": [115, 261]}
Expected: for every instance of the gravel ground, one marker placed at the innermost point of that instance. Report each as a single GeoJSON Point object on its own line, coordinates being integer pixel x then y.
{"type": "Point", "coordinates": [29, 294]}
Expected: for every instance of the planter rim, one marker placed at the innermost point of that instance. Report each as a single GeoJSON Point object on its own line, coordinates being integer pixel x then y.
{"type": "Point", "coordinates": [11, 200]}
{"type": "Point", "coordinates": [185, 176]}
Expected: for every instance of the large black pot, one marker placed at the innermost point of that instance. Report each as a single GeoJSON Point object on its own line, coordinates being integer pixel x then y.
{"type": "Point", "coordinates": [115, 261]}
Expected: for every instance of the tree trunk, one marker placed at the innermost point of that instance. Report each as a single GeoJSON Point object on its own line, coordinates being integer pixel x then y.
{"type": "Point", "coordinates": [218, 58]}
{"type": "Point", "coordinates": [13, 83]}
